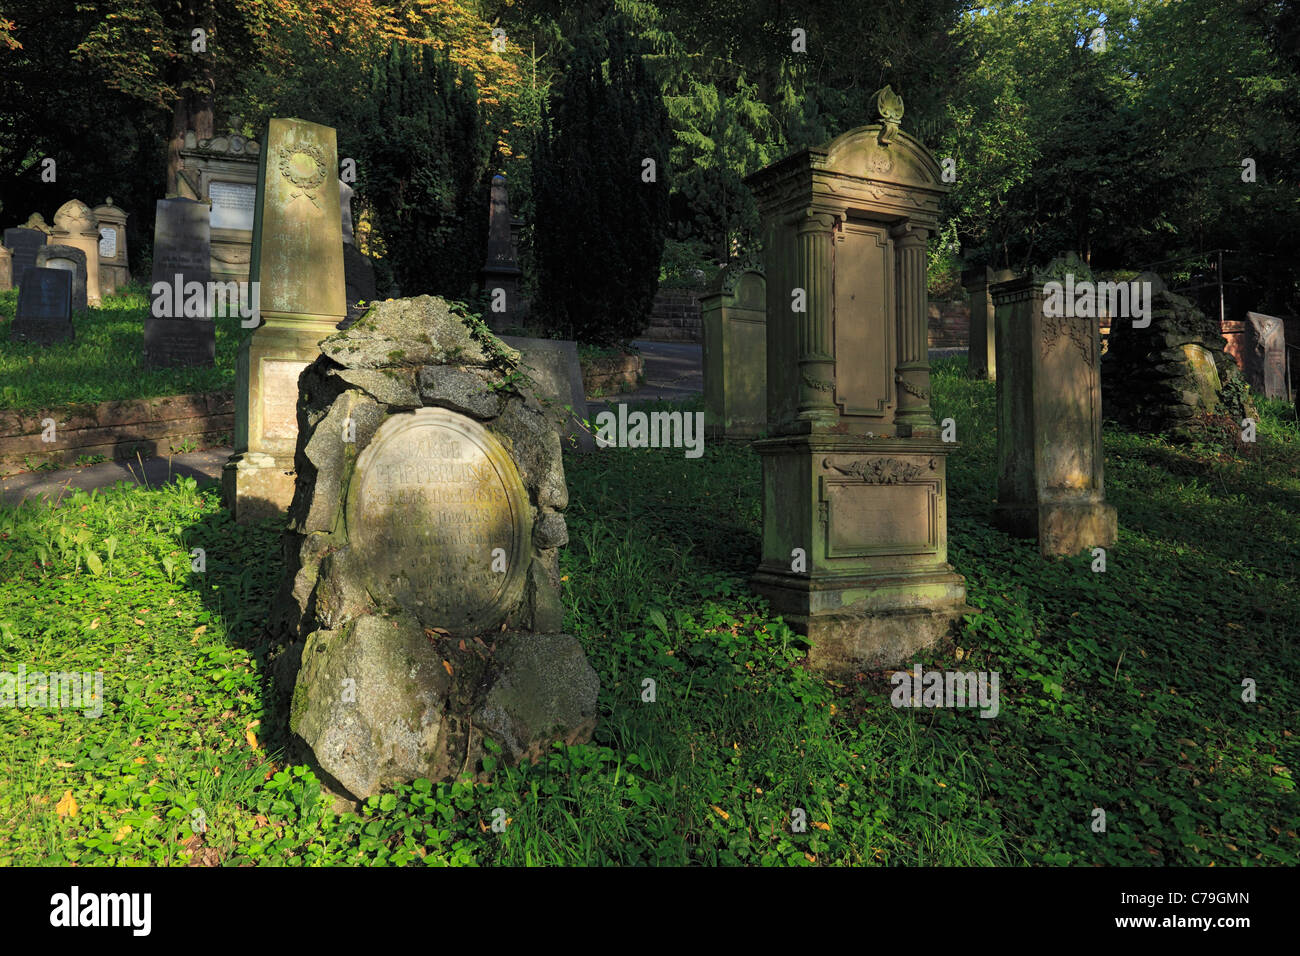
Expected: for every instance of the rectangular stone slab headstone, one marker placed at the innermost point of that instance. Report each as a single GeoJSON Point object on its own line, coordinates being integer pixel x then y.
{"type": "Point", "coordinates": [182, 247]}
{"type": "Point", "coordinates": [553, 366]}
{"type": "Point", "coordinates": [23, 243]}
{"type": "Point", "coordinates": [6, 269]}
{"type": "Point", "coordinates": [1266, 368]}
{"type": "Point", "coordinates": [44, 313]}
{"type": "Point", "coordinates": [71, 259]}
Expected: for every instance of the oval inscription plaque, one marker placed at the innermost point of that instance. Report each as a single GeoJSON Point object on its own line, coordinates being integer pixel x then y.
{"type": "Point", "coordinates": [433, 496]}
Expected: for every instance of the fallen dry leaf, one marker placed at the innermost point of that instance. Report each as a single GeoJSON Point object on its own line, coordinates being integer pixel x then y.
{"type": "Point", "coordinates": [820, 825]}
{"type": "Point", "coordinates": [94, 624]}
{"type": "Point", "coordinates": [722, 813]}
{"type": "Point", "coordinates": [67, 807]}
{"type": "Point", "coordinates": [122, 832]}
{"type": "Point", "coordinates": [251, 738]}
{"type": "Point", "coordinates": [200, 629]}
{"type": "Point", "coordinates": [447, 665]}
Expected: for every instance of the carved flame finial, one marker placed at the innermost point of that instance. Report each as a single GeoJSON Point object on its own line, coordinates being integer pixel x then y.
{"type": "Point", "coordinates": [889, 110]}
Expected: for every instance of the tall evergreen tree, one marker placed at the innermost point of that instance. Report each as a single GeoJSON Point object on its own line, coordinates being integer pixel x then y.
{"type": "Point", "coordinates": [425, 172]}
{"type": "Point", "coordinates": [601, 224]}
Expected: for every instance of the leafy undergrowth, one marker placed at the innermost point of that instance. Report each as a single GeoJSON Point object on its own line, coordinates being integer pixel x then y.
{"type": "Point", "coordinates": [1120, 691]}
{"type": "Point", "coordinates": [105, 362]}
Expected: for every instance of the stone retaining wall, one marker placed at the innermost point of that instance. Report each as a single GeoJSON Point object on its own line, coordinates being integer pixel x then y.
{"type": "Point", "coordinates": [149, 426]}
{"type": "Point", "coordinates": [675, 317]}
{"type": "Point", "coordinates": [948, 325]}
{"type": "Point", "coordinates": [610, 375]}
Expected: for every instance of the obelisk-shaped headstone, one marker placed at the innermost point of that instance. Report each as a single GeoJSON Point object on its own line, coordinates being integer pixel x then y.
{"type": "Point", "coordinates": [500, 271]}
{"type": "Point", "coordinates": [297, 259]}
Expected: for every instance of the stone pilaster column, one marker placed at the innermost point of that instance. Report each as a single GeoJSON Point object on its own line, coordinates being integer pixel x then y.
{"type": "Point", "coordinates": [816, 346]}
{"type": "Point", "coordinates": [912, 375]}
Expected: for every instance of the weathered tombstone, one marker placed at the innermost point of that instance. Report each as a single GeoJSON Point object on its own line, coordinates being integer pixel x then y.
{"type": "Point", "coordinates": [74, 225]}
{"type": "Point", "coordinates": [982, 351]}
{"type": "Point", "coordinates": [6, 269]}
{"type": "Point", "coordinates": [501, 270]}
{"type": "Point", "coordinates": [222, 172]}
{"type": "Point", "coordinates": [37, 222]}
{"type": "Point", "coordinates": [44, 313]}
{"type": "Point", "coordinates": [114, 267]}
{"type": "Point", "coordinates": [1173, 374]}
{"type": "Point", "coordinates": [23, 243]}
{"type": "Point", "coordinates": [358, 270]}
{"type": "Point", "coordinates": [1265, 366]}
{"type": "Point", "coordinates": [854, 550]}
{"type": "Point", "coordinates": [298, 261]}
{"type": "Point", "coordinates": [1050, 460]}
{"type": "Point", "coordinates": [556, 373]}
{"type": "Point", "coordinates": [70, 259]}
{"type": "Point", "coordinates": [734, 315]}
{"type": "Point", "coordinates": [179, 329]}
{"type": "Point", "coordinates": [438, 495]}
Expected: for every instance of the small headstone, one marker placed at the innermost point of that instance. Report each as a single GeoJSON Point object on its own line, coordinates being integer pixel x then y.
{"type": "Point", "coordinates": [23, 243]}
{"type": "Point", "coordinates": [114, 267]}
{"type": "Point", "coordinates": [174, 335]}
{"type": "Point", "coordinates": [1266, 363]}
{"type": "Point", "coordinates": [345, 208]}
{"type": "Point", "coordinates": [734, 315]}
{"type": "Point", "coordinates": [70, 259]}
{"type": "Point", "coordinates": [44, 313]}
{"type": "Point", "coordinates": [553, 366]}
{"type": "Point", "coordinates": [6, 269]}
{"type": "Point", "coordinates": [501, 272]}
{"type": "Point", "coordinates": [74, 225]}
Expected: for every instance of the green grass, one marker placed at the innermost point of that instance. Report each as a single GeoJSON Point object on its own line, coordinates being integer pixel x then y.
{"type": "Point", "coordinates": [1119, 690]}
{"type": "Point", "coordinates": [105, 361]}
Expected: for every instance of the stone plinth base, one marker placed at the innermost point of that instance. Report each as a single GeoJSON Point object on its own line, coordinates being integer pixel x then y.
{"type": "Point", "coordinates": [257, 486]}
{"type": "Point", "coordinates": [1062, 528]}
{"type": "Point", "coordinates": [866, 621]}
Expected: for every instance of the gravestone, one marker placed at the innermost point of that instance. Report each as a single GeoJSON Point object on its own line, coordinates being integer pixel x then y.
{"type": "Point", "coordinates": [23, 243]}
{"type": "Point", "coordinates": [734, 316]}
{"type": "Point", "coordinates": [556, 373]}
{"type": "Point", "coordinates": [1050, 459]}
{"type": "Point", "coordinates": [854, 551]}
{"type": "Point", "coordinates": [982, 351]}
{"type": "Point", "coordinates": [222, 172]}
{"type": "Point", "coordinates": [1171, 376]}
{"type": "Point", "coordinates": [37, 222]}
{"type": "Point", "coordinates": [358, 270]}
{"type": "Point", "coordinates": [114, 267]}
{"type": "Point", "coordinates": [74, 225]}
{"type": "Point", "coordinates": [298, 261]}
{"type": "Point", "coordinates": [177, 332]}
{"type": "Point", "coordinates": [6, 269]}
{"type": "Point", "coordinates": [1265, 365]}
{"type": "Point", "coordinates": [44, 313]}
{"type": "Point", "coordinates": [438, 496]}
{"type": "Point", "coordinates": [501, 270]}
{"type": "Point", "coordinates": [70, 259]}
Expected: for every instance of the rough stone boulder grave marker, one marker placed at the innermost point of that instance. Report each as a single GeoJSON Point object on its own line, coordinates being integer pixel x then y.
{"type": "Point", "coordinates": [855, 519]}
{"type": "Point", "coordinates": [72, 260]}
{"type": "Point", "coordinates": [734, 316]}
{"type": "Point", "coordinates": [1050, 459]}
{"type": "Point", "coordinates": [422, 583]}
{"type": "Point", "coordinates": [177, 330]}
{"type": "Point", "coordinates": [298, 260]}
{"type": "Point", "coordinates": [1265, 359]}
{"type": "Point", "coordinates": [23, 243]}
{"type": "Point", "coordinates": [1165, 377]}
{"type": "Point", "coordinates": [556, 374]}
{"type": "Point", "coordinates": [44, 312]}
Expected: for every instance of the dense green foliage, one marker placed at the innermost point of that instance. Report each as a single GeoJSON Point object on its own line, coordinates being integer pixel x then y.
{"type": "Point", "coordinates": [1119, 690]}
{"type": "Point", "coordinates": [600, 192]}
{"type": "Point", "coordinates": [426, 168]}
